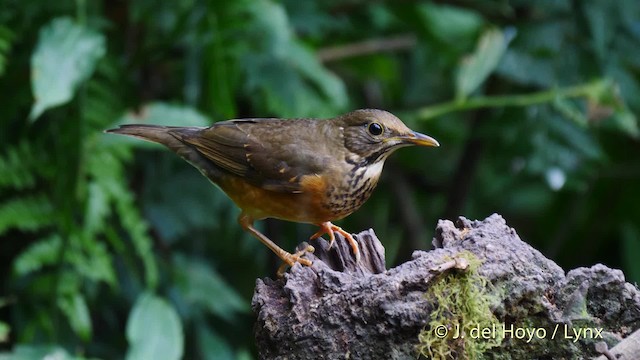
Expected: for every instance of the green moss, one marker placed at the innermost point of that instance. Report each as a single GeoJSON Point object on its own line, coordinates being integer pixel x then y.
{"type": "Point", "coordinates": [463, 309]}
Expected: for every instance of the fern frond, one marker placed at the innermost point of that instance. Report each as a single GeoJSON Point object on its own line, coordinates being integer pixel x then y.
{"type": "Point", "coordinates": [103, 103]}
{"type": "Point", "coordinates": [105, 167]}
{"type": "Point", "coordinates": [42, 253]}
{"type": "Point", "coordinates": [6, 38]}
{"type": "Point", "coordinates": [137, 229]}
{"type": "Point", "coordinates": [17, 167]}
{"type": "Point", "coordinates": [28, 213]}
{"type": "Point", "coordinates": [90, 258]}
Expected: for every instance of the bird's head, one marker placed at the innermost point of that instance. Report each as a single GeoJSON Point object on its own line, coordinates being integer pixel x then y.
{"type": "Point", "coordinates": [372, 135]}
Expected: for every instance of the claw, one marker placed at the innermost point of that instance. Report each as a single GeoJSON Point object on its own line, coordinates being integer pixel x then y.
{"type": "Point", "coordinates": [294, 258]}
{"type": "Point", "coordinates": [328, 228]}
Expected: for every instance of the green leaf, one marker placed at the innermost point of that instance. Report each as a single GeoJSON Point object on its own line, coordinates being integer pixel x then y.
{"type": "Point", "coordinates": [77, 312]}
{"type": "Point", "coordinates": [220, 68]}
{"type": "Point", "coordinates": [527, 69]}
{"type": "Point", "coordinates": [28, 213]}
{"type": "Point", "coordinates": [97, 208]}
{"type": "Point", "coordinates": [476, 67]}
{"type": "Point", "coordinates": [6, 38]}
{"type": "Point", "coordinates": [167, 115]}
{"type": "Point", "coordinates": [201, 285]}
{"type": "Point", "coordinates": [175, 214]}
{"type": "Point", "coordinates": [105, 167]}
{"type": "Point", "coordinates": [90, 258]}
{"type": "Point", "coordinates": [4, 332]}
{"type": "Point", "coordinates": [154, 330]}
{"type": "Point", "coordinates": [449, 24]}
{"type": "Point", "coordinates": [41, 253]}
{"type": "Point", "coordinates": [629, 250]}
{"type": "Point", "coordinates": [137, 229]}
{"type": "Point", "coordinates": [213, 346]}
{"type": "Point", "coordinates": [601, 19]}
{"type": "Point", "coordinates": [625, 122]}
{"type": "Point", "coordinates": [65, 56]}
{"type": "Point", "coordinates": [17, 167]}
{"type": "Point", "coordinates": [283, 76]}
{"type": "Point", "coordinates": [38, 352]}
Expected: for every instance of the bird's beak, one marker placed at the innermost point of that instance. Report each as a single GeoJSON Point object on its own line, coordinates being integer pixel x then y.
{"type": "Point", "coordinates": [416, 138]}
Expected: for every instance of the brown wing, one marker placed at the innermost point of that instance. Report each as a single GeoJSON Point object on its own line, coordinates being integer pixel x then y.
{"type": "Point", "coordinates": [263, 155]}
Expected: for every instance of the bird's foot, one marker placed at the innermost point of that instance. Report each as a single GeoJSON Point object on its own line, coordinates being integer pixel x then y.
{"type": "Point", "coordinates": [290, 259]}
{"type": "Point", "coordinates": [328, 228]}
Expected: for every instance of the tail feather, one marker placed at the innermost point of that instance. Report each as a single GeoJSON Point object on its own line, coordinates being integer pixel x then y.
{"type": "Point", "coordinates": [154, 133]}
{"type": "Point", "coordinates": [173, 138]}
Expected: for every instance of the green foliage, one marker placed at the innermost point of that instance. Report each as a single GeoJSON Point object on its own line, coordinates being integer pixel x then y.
{"type": "Point", "coordinates": [27, 213]}
{"type": "Point", "coordinates": [285, 73]}
{"type": "Point", "coordinates": [534, 104]}
{"type": "Point", "coordinates": [76, 310]}
{"type": "Point", "coordinates": [4, 331]}
{"type": "Point", "coordinates": [17, 167]}
{"type": "Point", "coordinates": [37, 255]}
{"type": "Point", "coordinates": [39, 352]}
{"type": "Point", "coordinates": [449, 24]}
{"type": "Point", "coordinates": [6, 37]}
{"type": "Point", "coordinates": [630, 248]}
{"type": "Point", "coordinates": [154, 330]}
{"type": "Point", "coordinates": [65, 56]}
{"type": "Point", "coordinates": [476, 68]}
{"type": "Point", "coordinates": [202, 287]}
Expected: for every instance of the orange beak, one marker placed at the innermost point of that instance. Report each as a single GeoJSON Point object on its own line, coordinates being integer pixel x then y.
{"type": "Point", "coordinates": [416, 138]}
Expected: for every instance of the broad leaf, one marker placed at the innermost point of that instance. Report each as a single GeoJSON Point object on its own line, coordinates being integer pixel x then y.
{"type": "Point", "coordinates": [475, 69]}
{"type": "Point", "coordinates": [212, 345]}
{"type": "Point", "coordinates": [201, 285]}
{"type": "Point", "coordinates": [38, 352]}
{"type": "Point", "coordinates": [284, 76]}
{"type": "Point", "coordinates": [527, 69]}
{"type": "Point", "coordinates": [450, 24]}
{"type": "Point", "coordinates": [65, 56]}
{"type": "Point", "coordinates": [4, 331]}
{"type": "Point", "coordinates": [154, 330]}
{"type": "Point", "coordinates": [77, 312]}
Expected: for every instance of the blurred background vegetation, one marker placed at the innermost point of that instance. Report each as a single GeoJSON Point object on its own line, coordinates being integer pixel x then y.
{"type": "Point", "coordinates": [111, 247]}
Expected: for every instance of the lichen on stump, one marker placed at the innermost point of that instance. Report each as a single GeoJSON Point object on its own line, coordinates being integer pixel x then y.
{"type": "Point", "coordinates": [337, 309]}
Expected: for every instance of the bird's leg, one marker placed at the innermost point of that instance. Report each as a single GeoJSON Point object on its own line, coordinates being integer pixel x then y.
{"type": "Point", "coordinates": [284, 266]}
{"type": "Point", "coordinates": [328, 228]}
{"type": "Point", "coordinates": [246, 222]}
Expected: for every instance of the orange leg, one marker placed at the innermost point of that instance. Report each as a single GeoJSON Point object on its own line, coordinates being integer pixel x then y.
{"type": "Point", "coordinates": [328, 228]}
{"type": "Point", "coordinates": [284, 266]}
{"type": "Point", "coordinates": [246, 222]}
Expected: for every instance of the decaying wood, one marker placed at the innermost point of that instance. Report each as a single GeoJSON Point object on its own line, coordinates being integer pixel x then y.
{"type": "Point", "coordinates": [627, 349]}
{"type": "Point", "coordinates": [339, 309]}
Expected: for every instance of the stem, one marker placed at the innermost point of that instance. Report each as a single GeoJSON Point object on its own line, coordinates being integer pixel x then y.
{"type": "Point", "coordinates": [509, 100]}
{"type": "Point", "coordinates": [81, 12]}
{"type": "Point", "coordinates": [366, 47]}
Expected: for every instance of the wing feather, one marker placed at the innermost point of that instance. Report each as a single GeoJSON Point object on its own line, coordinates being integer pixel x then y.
{"type": "Point", "coordinates": [264, 156]}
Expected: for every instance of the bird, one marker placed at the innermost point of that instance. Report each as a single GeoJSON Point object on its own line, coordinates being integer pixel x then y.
{"type": "Point", "coordinates": [304, 170]}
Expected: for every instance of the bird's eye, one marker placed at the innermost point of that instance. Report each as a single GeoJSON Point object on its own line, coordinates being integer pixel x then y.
{"type": "Point", "coordinates": [375, 129]}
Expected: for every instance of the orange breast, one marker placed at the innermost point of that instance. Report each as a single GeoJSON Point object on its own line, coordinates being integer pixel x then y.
{"type": "Point", "coordinates": [307, 206]}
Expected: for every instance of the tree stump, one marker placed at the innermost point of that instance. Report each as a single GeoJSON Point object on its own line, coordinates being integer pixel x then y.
{"type": "Point", "coordinates": [340, 309]}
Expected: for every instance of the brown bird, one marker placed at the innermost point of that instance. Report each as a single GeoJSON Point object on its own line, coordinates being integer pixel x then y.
{"type": "Point", "coordinates": [302, 170]}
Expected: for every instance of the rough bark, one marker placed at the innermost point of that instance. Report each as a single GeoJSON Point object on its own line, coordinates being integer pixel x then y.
{"type": "Point", "coordinates": [340, 309]}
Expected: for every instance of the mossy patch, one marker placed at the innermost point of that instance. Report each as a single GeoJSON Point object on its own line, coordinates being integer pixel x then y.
{"type": "Point", "coordinates": [461, 324]}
